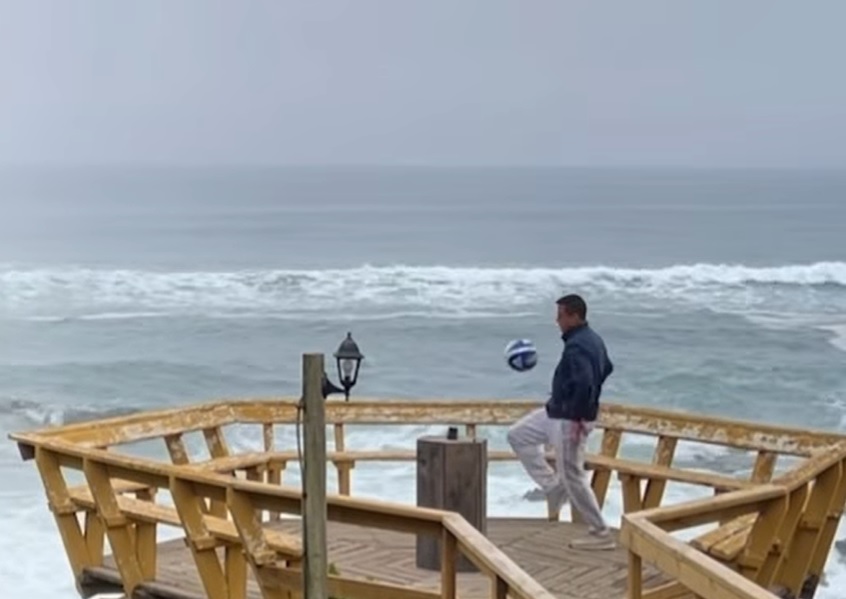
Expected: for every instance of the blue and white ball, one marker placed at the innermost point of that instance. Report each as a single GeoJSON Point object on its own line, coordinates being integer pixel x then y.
{"type": "Point", "coordinates": [521, 355]}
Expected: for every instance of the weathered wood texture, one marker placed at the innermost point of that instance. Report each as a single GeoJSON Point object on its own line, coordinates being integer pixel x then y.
{"type": "Point", "coordinates": [451, 475]}
{"type": "Point", "coordinates": [636, 419]}
{"type": "Point", "coordinates": [315, 566]}
{"type": "Point", "coordinates": [772, 529]}
{"type": "Point", "coordinates": [538, 546]}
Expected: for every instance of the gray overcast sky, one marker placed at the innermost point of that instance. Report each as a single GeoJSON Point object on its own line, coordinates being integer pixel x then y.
{"type": "Point", "coordinates": [711, 82]}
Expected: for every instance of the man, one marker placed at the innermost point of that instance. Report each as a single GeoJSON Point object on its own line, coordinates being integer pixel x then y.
{"type": "Point", "coordinates": [566, 421]}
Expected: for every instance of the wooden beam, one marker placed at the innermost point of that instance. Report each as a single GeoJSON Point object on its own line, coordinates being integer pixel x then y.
{"type": "Point", "coordinates": [257, 550]}
{"type": "Point", "coordinates": [286, 545]}
{"type": "Point", "coordinates": [316, 558]}
{"type": "Point", "coordinates": [698, 573]}
{"type": "Point", "coordinates": [680, 425]}
{"type": "Point", "coordinates": [137, 427]}
{"type": "Point", "coordinates": [490, 558]}
{"type": "Point", "coordinates": [349, 588]}
{"type": "Point", "coordinates": [64, 511]}
{"type": "Point", "coordinates": [710, 509]}
{"type": "Point", "coordinates": [664, 451]}
{"type": "Point", "coordinates": [611, 439]}
{"type": "Point", "coordinates": [810, 548]}
{"type": "Point", "coordinates": [202, 544]}
{"type": "Point", "coordinates": [121, 535]}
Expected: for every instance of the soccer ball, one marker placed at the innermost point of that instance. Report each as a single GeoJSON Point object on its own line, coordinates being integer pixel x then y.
{"type": "Point", "coordinates": [521, 355]}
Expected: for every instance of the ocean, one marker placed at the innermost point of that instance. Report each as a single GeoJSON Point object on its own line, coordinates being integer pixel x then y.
{"type": "Point", "coordinates": [130, 288]}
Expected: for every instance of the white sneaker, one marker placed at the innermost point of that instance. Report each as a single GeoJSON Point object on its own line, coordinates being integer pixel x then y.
{"type": "Point", "coordinates": [596, 540]}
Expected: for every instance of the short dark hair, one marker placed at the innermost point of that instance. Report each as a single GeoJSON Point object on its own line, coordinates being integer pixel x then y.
{"type": "Point", "coordinates": [573, 304]}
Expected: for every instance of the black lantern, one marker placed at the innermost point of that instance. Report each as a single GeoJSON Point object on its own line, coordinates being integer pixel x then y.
{"type": "Point", "coordinates": [348, 358]}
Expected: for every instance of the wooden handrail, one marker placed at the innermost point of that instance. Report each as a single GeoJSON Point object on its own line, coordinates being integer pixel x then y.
{"type": "Point", "coordinates": [219, 487]}
{"type": "Point", "coordinates": [813, 467]}
{"type": "Point", "coordinates": [777, 506]}
{"type": "Point", "coordinates": [638, 420]}
{"type": "Point", "coordinates": [701, 575]}
{"type": "Point", "coordinates": [705, 511]}
{"type": "Point", "coordinates": [646, 532]}
{"type": "Point", "coordinates": [491, 558]}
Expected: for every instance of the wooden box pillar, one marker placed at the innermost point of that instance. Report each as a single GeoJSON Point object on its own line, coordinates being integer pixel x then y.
{"type": "Point", "coordinates": [452, 475]}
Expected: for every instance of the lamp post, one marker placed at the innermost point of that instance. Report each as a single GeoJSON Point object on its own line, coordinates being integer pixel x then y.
{"type": "Point", "coordinates": [316, 387]}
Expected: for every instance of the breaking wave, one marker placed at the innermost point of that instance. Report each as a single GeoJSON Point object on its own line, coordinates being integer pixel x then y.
{"type": "Point", "coordinates": [107, 294]}
{"type": "Point", "coordinates": [34, 413]}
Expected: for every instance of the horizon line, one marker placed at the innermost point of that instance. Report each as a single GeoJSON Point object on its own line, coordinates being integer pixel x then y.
{"type": "Point", "coordinates": [414, 165]}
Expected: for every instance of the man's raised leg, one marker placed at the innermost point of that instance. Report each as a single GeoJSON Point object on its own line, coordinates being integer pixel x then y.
{"type": "Point", "coordinates": [527, 437]}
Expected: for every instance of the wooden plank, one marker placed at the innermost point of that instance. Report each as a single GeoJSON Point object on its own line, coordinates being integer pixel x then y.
{"type": "Point", "coordinates": [121, 535]}
{"type": "Point", "coordinates": [681, 561]}
{"type": "Point", "coordinates": [78, 551]}
{"type": "Point", "coordinates": [679, 425]}
{"type": "Point", "coordinates": [137, 427]}
{"type": "Point", "coordinates": [815, 532]}
{"type": "Point", "coordinates": [350, 588]}
{"type": "Point", "coordinates": [707, 510]}
{"type": "Point", "coordinates": [223, 530]}
{"type": "Point", "coordinates": [387, 558]}
{"type": "Point", "coordinates": [664, 452]}
{"type": "Point", "coordinates": [200, 541]}
{"type": "Point", "coordinates": [592, 462]}
{"type": "Point", "coordinates": [727, 541]}
{"type": "Point", "coordinates": [611, 439]}
{"type": "Point", "coordinates": [650, 421]}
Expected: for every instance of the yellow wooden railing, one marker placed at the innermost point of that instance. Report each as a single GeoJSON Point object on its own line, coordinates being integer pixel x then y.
{"type": "Point", "coordinates": [771, 533]}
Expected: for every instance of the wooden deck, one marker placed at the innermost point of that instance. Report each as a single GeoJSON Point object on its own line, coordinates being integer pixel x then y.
{"type": "Point", "coordinates": [536, 545]}
{"type": "Point", "coordinates": [795, 514]}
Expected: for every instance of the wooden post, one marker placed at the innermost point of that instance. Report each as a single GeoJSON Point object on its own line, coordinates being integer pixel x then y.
{"type": "Point", "coordinates": [635, 582]}
{"type": "Point", "coordinates": [315, 562]}
{"type": "Point", "coordinates": [451, 475]}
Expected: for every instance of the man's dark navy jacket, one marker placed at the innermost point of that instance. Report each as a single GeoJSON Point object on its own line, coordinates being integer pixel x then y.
{"type": "Point", "coordinates": [577, 382]}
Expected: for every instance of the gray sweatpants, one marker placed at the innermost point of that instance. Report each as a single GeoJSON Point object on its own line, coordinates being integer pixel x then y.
{"type": "Point", "coordinates": [569, 438]}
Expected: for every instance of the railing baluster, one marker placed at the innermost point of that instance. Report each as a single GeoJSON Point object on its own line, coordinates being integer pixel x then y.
{"type": "Point", "coordinates": [822, 547]}
{"type": "Point", "coordinates": [269, 442]}
{"type": "Point", "coordinates": [343, 467]}
{"type": "Point", "coordinates": [257, 551]}
{"type": "Point", "coordinates": [95, 537]}
{"type": "Point", "coordinates": [64, 512]}
{"type": "Point", "coordinates": [145, 538]}
{"type": "Point", "coordinates": [635, 580]}
{"type": "Point", "coordinates": [236, 571]}
{"type": "Point", "coordinates": [218, 448]}
{"type": "Point", "coordinates": [765, 463]}
{"type": "Point", "coordinates": [808, 552]}
{"type": "Point", "coordinates": [176, 449]}
{"type": "Point", "coordinates": [762, 536]}
{"type": "Point", "coordinates": [611, 438]}
{"type": "Point", "coordinates": [664, 451]}
{"type": "Point", "coordinates": [449, 557]}
{"type": "Point", "coordinates": [781, 543]}
{"type": "Point", "coordinates": [122, 537]}
{"type": "Point", "coordinates": [631, 493]}
{"type": "Point", "coordinates": [499, 588]}
{"type": "Point", "coordinates": [201, 543]}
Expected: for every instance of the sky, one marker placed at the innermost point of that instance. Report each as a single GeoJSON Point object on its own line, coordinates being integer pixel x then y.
{"type": "Point", "coordinates": [438, 82]}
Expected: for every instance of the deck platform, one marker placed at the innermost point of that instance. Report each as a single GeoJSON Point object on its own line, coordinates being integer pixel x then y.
{"type": "Point", "coordinates": [773, 521]}
{"type": "Point", "coordinates": [538, 546]}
